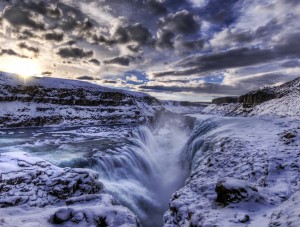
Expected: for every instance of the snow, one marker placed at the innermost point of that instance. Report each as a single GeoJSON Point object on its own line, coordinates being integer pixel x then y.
{"type": "Point", "coordinates": [242, 153]}
{"type": "Point", "coordinates": [285, 104]}
{"type": "Point", "coordinates": [58, 83]}
{"type": "Point", "coordinates": [37, 193]}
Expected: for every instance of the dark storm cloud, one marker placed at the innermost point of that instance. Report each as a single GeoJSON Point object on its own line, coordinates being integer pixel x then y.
{"type": "Point", "coordinates": [136, 32]}
{"type": "Point", "coordinates": [240, 85]}
{"type": "Point", "coordinates": [286, 48]}
{"type": "Point", "coordinates": [181, 22]}
{"type": "Point", "coordinates": [74, 52]}
{"type": "Point", "coordinates": [85, 78]}
{"type": "Point", "coordinates": [207, 88]}
{"type": "Point", "coordinates": [18, 17]}
{"type": "Point", "coordinates": [24, 45]}
{"type": "Point", "coordinates": [165, 39]}
{"type": "Point", "coordinates": [124, 61]}
{"type": "Point", "coordinates": [156, 7]}
{"type": "Point", "coordinates": [133, 48]}
{"type": "Point", "coordinates": [56, 36]}
{"type": "Point", "coordinates": [95, 61]}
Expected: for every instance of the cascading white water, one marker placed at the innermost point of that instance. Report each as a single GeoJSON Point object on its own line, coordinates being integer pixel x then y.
{"type": "Point", "coordinates": [145, 172]}
{"type": "Point", "coordinates": [138, 165]}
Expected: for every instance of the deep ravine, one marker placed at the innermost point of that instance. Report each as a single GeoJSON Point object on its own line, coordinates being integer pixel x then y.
{"type": "Point", "coordinates": [138, 165]}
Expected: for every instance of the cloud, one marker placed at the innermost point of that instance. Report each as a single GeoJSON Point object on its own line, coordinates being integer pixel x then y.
{"type": "Point", "coordinates": [156, 7]}
{"type": "Point", "coordinates": [220, 11]}
{"type": "Point", "coordinates": [181, 22]}
{"type": "Point", "coordinates": [46, 73]}
{"type": "Point", "coordinates": [164, 39]}
{"type": "Point", "coordinates": [135, 32]}
{"type": "Point", "coordinates": [207, 88]}
{"type": "Point", "coordinates": [56, 36]}
{"type": "Point", "coordinates": [109, 82]}
{"type": "Point", "coordinates": [23, 45]}
{"type": "Point", "coordinates": [286, 47]}
{"type": "Point", "coordinates": [123, 61]}
{"type": "Point", "coordinates": [291, 64]}
{"type": "Point", "coordinates": [231, 37]}
{"type": "Point", "coordinates": [95, 61]}
{"type": "Point", "coordinates": [74, 52]}
{"type": "Point", "coordinates": [85, 78]}
{"type": "Point", "coordinates": [19, 17]}
{"type": "Point", "coordinates": [11, 52]}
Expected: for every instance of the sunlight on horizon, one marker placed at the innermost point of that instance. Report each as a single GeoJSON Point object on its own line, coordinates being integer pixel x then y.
{"type": "Point", "coordinates": [21, 66]}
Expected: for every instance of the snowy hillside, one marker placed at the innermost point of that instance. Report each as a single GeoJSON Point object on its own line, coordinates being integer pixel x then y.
{"type": "Point", "coordinates": [244, 172]}
{"type": "Point", "coordinates": [281, 101]}
{"type": "Point", "coordinates": [30, 185]}
{"type": "Point", "coordinates": [44, 101]}
{"type": "Point", "coordinates": [51, 101]}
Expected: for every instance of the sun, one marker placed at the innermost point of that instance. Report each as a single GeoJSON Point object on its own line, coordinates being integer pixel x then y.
{"type": "Point", "coordinates": [22, 66]}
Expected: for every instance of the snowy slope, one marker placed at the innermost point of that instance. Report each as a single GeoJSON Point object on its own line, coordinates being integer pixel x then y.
{"type": "Point", "coordinates": [36, 193]}
{"type": "Point", "coordinates": [244, 172]}
{"type": "Point", "coordinates": [52, 101]}
{"type": "Point", "coordinates": [284, 102]}
{"type": "Point", "coordinates": [44, 101]}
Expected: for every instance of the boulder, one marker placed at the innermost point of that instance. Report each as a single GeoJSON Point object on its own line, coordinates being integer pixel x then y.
{"type": "Point", "coordinates": [233, 190]}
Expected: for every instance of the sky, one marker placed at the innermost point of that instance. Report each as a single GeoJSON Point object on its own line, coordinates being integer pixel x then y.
{"type": "Point", "coordinates": [191, 50]}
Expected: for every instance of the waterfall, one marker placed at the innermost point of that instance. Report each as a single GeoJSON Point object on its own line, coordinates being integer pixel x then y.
{"type": "Point", "coordinates": [138, 165]}
{"type": "Point", "coordinates": [144, 172]}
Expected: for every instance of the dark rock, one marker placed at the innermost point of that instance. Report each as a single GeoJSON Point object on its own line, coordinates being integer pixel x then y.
{"type": "Point", "coordinates": [232, 191]}
{"type": "Point", "coordinates": [225, 100]}
{"type": "Point", "coordinates": [61, 215]}
{"type": "Point", "coordinates": [252, 99]}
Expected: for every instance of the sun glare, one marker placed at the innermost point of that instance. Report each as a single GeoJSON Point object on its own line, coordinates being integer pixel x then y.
{"type": "Point", "coordinates": [22, 67]}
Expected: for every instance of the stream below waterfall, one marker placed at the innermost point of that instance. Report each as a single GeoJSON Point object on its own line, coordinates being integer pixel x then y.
{"type": "Point", "coordinates": [137, 165]}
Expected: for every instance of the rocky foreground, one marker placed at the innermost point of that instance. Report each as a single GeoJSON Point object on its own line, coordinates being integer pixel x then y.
{"type": "Point", "coordinates": [36, 193]}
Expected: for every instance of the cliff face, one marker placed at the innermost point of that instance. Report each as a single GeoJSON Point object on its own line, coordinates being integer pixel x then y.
{"type": "Point", "coordinates": [225, 100]}
{"type": "Point", "coordinates": [254, 98]}
{"type": "Point", "coordinates": [279, 101]}
{"type": "Point", "coordinates": [50, 101]}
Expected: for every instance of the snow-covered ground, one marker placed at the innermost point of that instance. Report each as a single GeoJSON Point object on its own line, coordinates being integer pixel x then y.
{"type": "Point", "coordinates": [244, 172]}
{"type": "Point", "coordinates": [36, 193]}
{"type": "Point", "coordinates": [243, 158]}
{"type": "Point", "coordinates": [44, 101]}
{"type": "Point", "coordinates": [285, 103]}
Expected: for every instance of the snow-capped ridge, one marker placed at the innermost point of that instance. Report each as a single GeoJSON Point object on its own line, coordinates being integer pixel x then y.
{"type": "Point", "coordinates": [280, 101]}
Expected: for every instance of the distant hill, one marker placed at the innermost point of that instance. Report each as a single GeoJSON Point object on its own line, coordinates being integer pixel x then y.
{"type": "Point", "coordinates": [281, 101]}
{"type": "Point", "coordinates": [46, 101]}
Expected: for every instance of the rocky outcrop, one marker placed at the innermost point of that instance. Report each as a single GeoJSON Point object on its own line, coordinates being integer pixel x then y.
{"type": "Point", "coordinates": [255, 98]}
{"type": "Point", "coordinates": [224, 100]}
{"type": "Point", "coordinates": [53, 102]}
{"type": "Point", "coordinates": [243, 171]}
{"type": "Point", "coordinates": [233, 190]}
{"type": "Point", "coordinates": [281, 101]}
{"type": "Point", "coordinates": [75, 195]}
